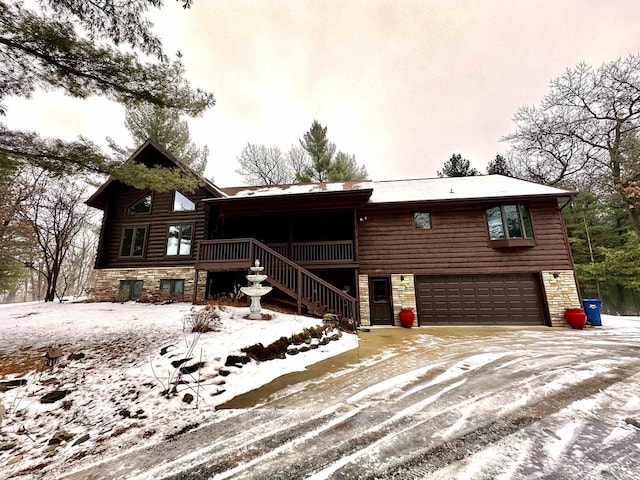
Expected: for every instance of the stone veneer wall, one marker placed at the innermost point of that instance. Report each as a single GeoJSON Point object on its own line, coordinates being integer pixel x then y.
{"type": "Point", "coordinates": [403, 294]}
{"type": "Point", "coordinates": [561, 293]}
{"type": "Point", "coordinates": [202, 286]}
{"type": "Point", "coordinates": [107, 281]}
{"type": "Point", "coordinates": [363, 289]}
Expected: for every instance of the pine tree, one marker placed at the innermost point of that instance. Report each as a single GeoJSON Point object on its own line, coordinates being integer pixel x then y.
{"type": "Point", "coordinates": [499, 166]}
{"type": "Point", "coordinates": [320, 151]}
{"type": "Point", "coordinates": [74, 46]}
{"type": "Point", "coordinates": [164, 126]}
{"type": "Point", "coordinates": [457, 166]}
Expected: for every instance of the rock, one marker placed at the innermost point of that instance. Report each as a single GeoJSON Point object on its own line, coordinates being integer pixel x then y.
{"type": "Point", "coordinates": [177, 363]}
{"type": "Point", "coordinates": [305, 348]}
{"type": "Point", "coordinates": [9, 384]}
{"type": "Point", "coordinates": [1, 412]}
{"type": "Point", "coordinates": [61, 436]}
{"type": "Point", "coordinates": [81, 439]}
{"type": "Point", "coordinates": [188, 398]}
{"type": "Point", "coordinates": [54, 396]}
{"type": "Point", "coordinates": [4, 446]}
{"type": "Point", "coordinates": [224, 373]}
{"type": "Point", "coordinates": [76, 356]}
{"type": "Point", "coordinates": [632, 421]}
{"type": "Point", "coordinates": [125, 413]}
{"type": "Point", "coordinates": [15, 459]}
{"type": "Point", "coordinates": [293, 351]}
{"type": "Point", "coordinates": [236, 360]}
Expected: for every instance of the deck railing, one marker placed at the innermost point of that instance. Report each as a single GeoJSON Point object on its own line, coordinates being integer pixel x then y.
{"type": "Point", "coordinates": [307, 288]}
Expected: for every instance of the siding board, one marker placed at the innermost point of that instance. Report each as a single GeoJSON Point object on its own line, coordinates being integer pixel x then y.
{"type": "Point", "coordinates": [457, 243]}
{"type": "Point", "coordinates": [157, 221]}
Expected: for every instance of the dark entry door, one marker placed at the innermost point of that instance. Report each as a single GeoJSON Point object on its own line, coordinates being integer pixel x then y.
{"type": "Point", "coordinates": [380, 301]}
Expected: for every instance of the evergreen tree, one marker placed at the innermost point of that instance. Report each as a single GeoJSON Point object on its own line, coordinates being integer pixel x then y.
{"type": "Point", "coordinates": [457, 166]}
{"type": "Point", "coordinates": [324, 164]}
{"type": "Point", "coordinates": [499, 166]}
{"type": "Point", "coordinates": [344, 168]}
{"type": "Point", "coordinates": [320, 151]}
{"type": "Point", "coordinates": [164, 126]}
{"type": "Point", "coordinates": [74, 46]}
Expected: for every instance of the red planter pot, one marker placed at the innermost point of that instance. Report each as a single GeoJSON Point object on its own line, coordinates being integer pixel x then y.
{"type": "Point", "coordinates": [407, 317]}
{"type": "Point", "coordinates": [575, 317]}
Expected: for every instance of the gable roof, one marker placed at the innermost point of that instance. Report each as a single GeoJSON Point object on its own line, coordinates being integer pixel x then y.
{"type": "Point", "coordinates": [485, 187]}
{"type": "Point", "coordinates": [97, 200]}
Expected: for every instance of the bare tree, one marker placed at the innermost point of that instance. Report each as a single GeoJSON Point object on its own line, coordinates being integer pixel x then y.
{"type": "Point", "coordinates": [262, 165]}
{"type": "Point", "coordinates": [57, 215]}
{"type": "Point", "coordinates": [586, 126]}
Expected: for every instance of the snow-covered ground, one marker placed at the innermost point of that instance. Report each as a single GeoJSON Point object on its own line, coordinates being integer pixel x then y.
{"type": "Point", "coordinates": [116, 362]}
{"type": "Point", "coordinates": [437, 403]}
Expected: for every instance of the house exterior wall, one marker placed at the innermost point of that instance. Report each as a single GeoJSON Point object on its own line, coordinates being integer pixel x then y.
{"type": "Point", "coordinates": [157, 222]}
{"type": "Point", "coordinates": [107, 281]}
{"type": "Point", "coordinates": [458, 242]}
{"type": "Point", "coordinates": [561, 292]}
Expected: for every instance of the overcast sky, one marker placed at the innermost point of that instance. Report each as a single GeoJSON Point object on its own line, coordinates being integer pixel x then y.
{"type": "Point", "coordinates": [401, 84]}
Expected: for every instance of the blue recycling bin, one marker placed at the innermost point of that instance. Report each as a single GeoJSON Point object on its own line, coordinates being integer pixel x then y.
{"type": "Point", "coordinates": [592, 309]}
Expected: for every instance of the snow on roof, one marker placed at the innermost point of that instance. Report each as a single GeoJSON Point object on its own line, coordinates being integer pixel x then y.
{"type": "Point", "coordinates": [424, 189]}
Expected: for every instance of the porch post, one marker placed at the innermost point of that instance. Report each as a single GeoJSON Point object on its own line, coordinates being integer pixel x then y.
{"type": "Point", "coordinates": [299, 290]}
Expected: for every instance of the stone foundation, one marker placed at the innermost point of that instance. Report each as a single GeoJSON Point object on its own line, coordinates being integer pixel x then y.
{"type": "Point", "coordinates": [107, 281]}
{"type": "Point", "coordinates": [561, 292]}
{"type": "Point", "coordinates": [403, 295]}
{"type": "Point", "coordinates": [363, 289]}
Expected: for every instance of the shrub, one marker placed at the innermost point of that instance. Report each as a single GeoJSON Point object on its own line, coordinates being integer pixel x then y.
{"type": "Point", "coordinates": [202, 321]}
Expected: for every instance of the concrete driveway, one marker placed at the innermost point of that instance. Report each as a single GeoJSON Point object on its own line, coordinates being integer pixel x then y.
{"type": "Point", "coordinates": [442, 403]}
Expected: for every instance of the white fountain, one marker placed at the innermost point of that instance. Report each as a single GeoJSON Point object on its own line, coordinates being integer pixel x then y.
{"type": "Point", "coordinates": [256, 290]}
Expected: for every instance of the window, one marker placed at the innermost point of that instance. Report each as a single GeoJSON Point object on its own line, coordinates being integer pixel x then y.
{"type": "Point", "coordinates": [422, 220]}
{"type": "Point", "coordinates": [179, 240]}
{"type": "Point", "coordinates": [170, 286]}
{"type": "Point", "coordinates": [130, 289]}
{"type": "Point", "coordinates": [507, 222]}
{"type": "Point", "coordinates": [141, 206]}
{"type": "Point", "coordinates": [133, 239]}
{"type": "Point", "coordinates": [182, 203]}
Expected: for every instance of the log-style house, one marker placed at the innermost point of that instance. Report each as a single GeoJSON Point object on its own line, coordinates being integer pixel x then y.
{"type": "Point", "coordinates": [489, 250]}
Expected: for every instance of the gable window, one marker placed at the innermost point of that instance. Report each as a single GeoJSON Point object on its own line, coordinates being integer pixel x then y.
{"type": "Point", "coordinates": [510, 222]}
{"type": "Point", "coordinates": [141, 206]}
{"type": "Point", "coordinates": [422, 220]}
{"type": "Point", "coordinates": [179, 240]}
{"type": "Point", "coordinates": [133, 239]}
{"type": "Point", "coordinates": [182, 203]}
{"type": "Point", "coordinates": [172, 286]}
{"type": "Point", "coordinates": [130, 289]}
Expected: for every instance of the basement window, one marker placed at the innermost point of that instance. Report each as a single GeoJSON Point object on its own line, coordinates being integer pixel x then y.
{"type": "Point", "coordinates": [130, 289]}
{"type": "Point", "coordinates": [172, 286]}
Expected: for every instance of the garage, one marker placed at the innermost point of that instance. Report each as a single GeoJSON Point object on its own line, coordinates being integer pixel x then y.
{"type": "Point", "coordinates": [496, 299]}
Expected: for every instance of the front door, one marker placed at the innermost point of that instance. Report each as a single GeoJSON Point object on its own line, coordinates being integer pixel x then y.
{"type": "Point", "coordinates": [380, 301]}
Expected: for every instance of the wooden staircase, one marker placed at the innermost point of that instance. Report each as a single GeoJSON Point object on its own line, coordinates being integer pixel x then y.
{"type": "Point", "coordinates": [307, 289]}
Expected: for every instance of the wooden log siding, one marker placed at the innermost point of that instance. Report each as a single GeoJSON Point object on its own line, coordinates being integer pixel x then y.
{"type": "Point", "coordinates": [157, 222]}
{"type": "Point", "coordinates": [458, 242]}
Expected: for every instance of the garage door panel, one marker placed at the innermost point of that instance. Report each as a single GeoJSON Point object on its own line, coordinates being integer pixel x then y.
{"type": "Point", "coordinates": [504, 299]}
